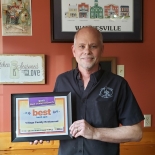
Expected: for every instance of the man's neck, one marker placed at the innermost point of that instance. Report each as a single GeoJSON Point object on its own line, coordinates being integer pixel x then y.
{"type": "Point", "coordinates": [85, 74]}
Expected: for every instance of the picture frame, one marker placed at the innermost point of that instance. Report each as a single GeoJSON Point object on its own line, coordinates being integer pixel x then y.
{"type": "Point", "coordinates": [22, 69]}
{"type": "Point", "coordinates": [135, 21]}
{"type": "Point", "coordinates": [107, 63]}
{"type": "Point", "coordinates": [40, 116]}
{"type": "Point", "coordinates": [16, 18]}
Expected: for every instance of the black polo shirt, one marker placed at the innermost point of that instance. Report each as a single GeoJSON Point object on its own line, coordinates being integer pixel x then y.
{"type": "Point", "coordinates": [106, 102]}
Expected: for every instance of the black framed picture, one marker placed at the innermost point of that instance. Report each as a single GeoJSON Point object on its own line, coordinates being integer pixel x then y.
{"type": "Point", "coordinates": [40, 116]}
{"type": "Point", "coordinates": [107, 63]}
{"type": "Point", "coordinates": [118, 21]}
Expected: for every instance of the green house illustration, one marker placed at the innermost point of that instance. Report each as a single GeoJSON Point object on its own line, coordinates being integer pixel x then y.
{"type": "Point", "coordinates": [96, 11]}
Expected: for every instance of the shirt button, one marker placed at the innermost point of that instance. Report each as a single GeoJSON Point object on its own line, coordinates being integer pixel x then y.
{"type": "Point", "coordinates": [80, 151]}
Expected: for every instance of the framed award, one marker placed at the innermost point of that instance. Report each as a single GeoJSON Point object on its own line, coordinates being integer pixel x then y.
{"type": "Point", "coordinates": [40, 116]}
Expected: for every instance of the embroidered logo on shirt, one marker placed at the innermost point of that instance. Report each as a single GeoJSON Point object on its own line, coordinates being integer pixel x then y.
{"type": "Point", "coordinates": [106, 92]}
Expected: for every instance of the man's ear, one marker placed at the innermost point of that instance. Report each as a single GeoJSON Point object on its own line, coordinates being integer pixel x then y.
{"type": "Point", "coordinates": [73, 50]}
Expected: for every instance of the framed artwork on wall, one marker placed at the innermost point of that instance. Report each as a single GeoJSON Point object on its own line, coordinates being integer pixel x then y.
{"type": "Point", "coordinates": [107, 63]}
{"type": "Point", "coordinates": [16, 17]}
{"type": "Point", "coordinates": [22, 69]}
{"type": "Point", "coordinates": [117, 20]}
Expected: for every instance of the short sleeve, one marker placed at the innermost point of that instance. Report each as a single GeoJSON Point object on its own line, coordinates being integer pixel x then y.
{"type": "Point", "coordinates": [129, 112]}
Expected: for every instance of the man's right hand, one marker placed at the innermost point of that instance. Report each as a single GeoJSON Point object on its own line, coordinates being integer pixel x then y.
{"type": "Point", "coordinates": [36, 142]}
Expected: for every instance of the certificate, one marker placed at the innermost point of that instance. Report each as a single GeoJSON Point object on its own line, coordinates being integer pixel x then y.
{"type": "Point", "coordinates": [40, 116]}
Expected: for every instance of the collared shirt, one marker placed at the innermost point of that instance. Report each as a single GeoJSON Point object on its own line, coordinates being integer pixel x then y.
{"type": "Point", "coordinates": [106, 102]}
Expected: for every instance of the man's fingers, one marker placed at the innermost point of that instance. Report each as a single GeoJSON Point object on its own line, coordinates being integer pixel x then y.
{"type": "Point", "coordinates": [36, 142]}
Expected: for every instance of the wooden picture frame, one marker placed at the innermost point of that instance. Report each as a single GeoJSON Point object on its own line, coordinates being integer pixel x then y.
{"type": "Point", "coordinates": [107, 63]}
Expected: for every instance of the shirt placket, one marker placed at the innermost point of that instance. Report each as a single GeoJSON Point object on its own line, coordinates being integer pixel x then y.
{"type": "Point", "coordinates": [84, 94]}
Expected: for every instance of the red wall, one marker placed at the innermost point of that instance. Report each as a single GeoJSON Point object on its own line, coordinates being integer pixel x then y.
{"type": "Point", "coordinates": [138, 58]}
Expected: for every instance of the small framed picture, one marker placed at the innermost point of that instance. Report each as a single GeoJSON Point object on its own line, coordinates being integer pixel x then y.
{"type": "Point", "coordinates": [16, 17]}
{"type": "Point", "coordinates": [40, 116]}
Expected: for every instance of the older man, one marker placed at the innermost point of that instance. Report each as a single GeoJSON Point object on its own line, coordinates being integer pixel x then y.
{"type": "Point", "coordinates": [105, 111]}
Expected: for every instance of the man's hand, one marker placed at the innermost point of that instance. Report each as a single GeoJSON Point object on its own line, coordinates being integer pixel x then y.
{"type": "Point", "coordinates": [36, 142]}
{"type": "Point", "coordinates": [82, 128]}
{"type": "Point", "coordinates": [112, 135]}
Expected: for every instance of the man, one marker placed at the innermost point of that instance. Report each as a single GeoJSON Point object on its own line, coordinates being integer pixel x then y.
{"type": "Point", "coordinates": [105, 111]}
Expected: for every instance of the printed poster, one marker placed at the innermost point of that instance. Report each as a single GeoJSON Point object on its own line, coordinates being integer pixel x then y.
{"type": "Point", "coordinates": [16, 17]}
{"type": "Point", "coordinates": [106, 16]}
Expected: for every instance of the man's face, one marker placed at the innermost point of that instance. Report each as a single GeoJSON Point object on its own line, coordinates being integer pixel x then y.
{"type": "Point", "coordinates": [87, 49]}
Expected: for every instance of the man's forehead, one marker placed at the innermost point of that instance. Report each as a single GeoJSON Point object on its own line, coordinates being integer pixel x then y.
{"type": "Point", "coordinates": [88, 35]}
{"type": "Point", "coordinates": [87, 39]}
{"type": "Point", "coordinates": [84, 42]}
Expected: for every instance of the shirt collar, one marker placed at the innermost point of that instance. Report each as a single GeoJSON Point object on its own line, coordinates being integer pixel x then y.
{"type": "Point", "coordinates": [94, 77]}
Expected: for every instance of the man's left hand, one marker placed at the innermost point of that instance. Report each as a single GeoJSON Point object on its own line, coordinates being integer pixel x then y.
{"type": "Point", "coordinates": [82, 128]}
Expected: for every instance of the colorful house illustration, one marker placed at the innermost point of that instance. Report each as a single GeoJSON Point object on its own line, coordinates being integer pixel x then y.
{"type": "Point", "coordinates": [124, 11]}
{"type": "Point", "coordinates": [96, 11]}
{"type": "Point", "coordinates": [72, 11]}
{"type": "Point", "coordinates": [83, 10]}
{"type": "Point", "coordinates": [111, 11]}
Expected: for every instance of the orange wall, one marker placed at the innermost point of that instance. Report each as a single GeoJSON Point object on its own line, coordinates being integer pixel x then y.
{"type": "Point", "coordinates": [138, 58]}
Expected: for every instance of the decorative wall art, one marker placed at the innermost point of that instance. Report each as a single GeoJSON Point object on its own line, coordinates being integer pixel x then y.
{"type": "Point", "coordinates": [16, 17]}
{"type": "Point", "coordinates": [22, 69]}
{"type": "Point", "coordinates": [117, 20]}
